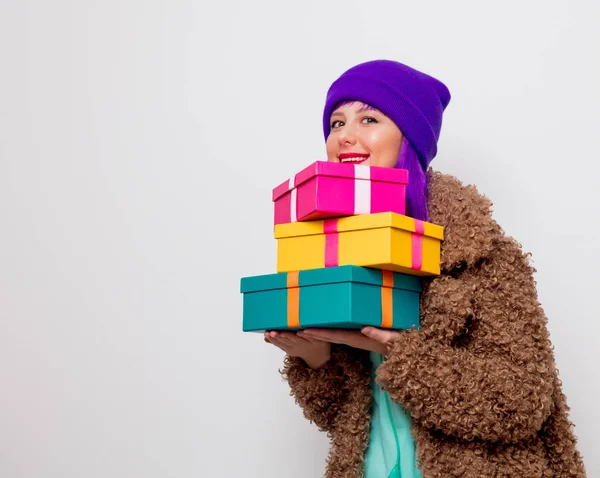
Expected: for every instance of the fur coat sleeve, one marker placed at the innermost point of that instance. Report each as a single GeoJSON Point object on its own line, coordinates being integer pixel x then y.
{"type": "Point", "coordinates": [322, 393]}
{"type": "Point", "coordinates": [481, 364]}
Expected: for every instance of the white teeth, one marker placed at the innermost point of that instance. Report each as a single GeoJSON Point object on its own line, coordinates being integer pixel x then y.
{"type": "Point", "coordinates": [347, 160]}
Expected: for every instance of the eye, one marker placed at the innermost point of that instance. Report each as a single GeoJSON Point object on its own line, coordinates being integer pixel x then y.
{"type": "Point", "coordinates": [369, 119]}
{"type": "Point", "coordinates": [336, 124]}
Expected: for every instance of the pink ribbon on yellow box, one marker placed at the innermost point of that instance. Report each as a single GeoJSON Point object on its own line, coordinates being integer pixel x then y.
{"type": "Point", "coordinates": [385, 240]}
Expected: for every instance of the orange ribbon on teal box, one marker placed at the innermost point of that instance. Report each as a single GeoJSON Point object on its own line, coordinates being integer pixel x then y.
{"type": "Point", "coordinates": [335, 297]}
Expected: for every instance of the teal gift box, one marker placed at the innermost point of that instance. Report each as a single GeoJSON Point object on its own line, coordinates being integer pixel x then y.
{"type": "Point", "coordinates": [333, 297]}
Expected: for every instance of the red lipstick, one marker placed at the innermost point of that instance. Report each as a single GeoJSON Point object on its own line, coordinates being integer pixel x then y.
{"type": "Point", "coordinates": [352, 155]}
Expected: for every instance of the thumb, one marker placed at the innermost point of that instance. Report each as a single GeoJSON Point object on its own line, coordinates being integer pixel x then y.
{"type": "Point", "coordinates": [381, 336]}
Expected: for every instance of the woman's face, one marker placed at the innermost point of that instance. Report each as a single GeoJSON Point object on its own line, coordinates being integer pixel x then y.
{"type": "Point", "coordinates": [361, 134]}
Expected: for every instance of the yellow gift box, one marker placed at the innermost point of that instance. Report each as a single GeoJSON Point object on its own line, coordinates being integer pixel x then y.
{"type": "Point", "coordinates": [387, 241]}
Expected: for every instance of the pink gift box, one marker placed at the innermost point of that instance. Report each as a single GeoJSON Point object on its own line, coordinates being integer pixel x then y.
{"type": "Point", "coordinates": [326, 189]}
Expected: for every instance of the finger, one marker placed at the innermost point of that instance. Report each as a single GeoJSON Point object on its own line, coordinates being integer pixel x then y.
{"type": "Point", "coordinates": [316, 340]}
{"type": "Point", "coordinates": [353, 338]}
{"type": "Point", "coordinates": [286, 339]}
{"type": "Point", "coordinates": [322, 335]}
{"type": "Point", "coordinates": [278, 334]}
{"type": "Point", "coordinates": [300, 334]}
{"type": "Point", "coordinates": [308, 338]}
{"type": "Point", "coordinates": [278, 343]}
{"type": "Point", "coordinates": [290, 338]}
{"type": "Point", "coordinates": [382, 336]}
{"type": "Point", "coordinates": [334, 335]}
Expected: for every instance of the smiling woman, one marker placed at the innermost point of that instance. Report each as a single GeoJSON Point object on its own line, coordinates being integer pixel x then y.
{"type": "Point", "coordinates": [362, 134]}
{"type": "Point", "coordinates": [473, 392]}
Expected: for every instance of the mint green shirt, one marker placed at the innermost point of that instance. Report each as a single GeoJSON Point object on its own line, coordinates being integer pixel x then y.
{"type": "Point", "coordinates": [391, 451]}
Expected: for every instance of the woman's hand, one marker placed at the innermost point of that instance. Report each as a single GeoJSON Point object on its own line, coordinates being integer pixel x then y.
{"type": "Point", "coordinates": [314, 352]}
{"type": "Point", "coordinates": [368, 338]}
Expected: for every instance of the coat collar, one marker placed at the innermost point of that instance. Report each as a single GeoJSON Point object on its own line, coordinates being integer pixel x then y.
{"type": "Point", "coordinates": [470, 233]}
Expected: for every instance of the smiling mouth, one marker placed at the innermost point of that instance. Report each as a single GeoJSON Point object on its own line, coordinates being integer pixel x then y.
{"type": "Point", "coordinates": [353, 158]}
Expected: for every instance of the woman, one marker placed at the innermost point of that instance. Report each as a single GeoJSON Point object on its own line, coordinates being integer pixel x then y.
{"type": "Point", "coordinates": [473, 392]}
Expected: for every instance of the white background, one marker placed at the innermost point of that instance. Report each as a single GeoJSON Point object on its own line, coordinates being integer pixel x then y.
{"type": "Point", "coordinates": [139, 143]}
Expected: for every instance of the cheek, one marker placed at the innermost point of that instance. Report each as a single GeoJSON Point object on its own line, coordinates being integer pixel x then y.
{"type": "Point", "coordinates": [332, 148]}
{"type": "Point", "coordinates": [385, 147]}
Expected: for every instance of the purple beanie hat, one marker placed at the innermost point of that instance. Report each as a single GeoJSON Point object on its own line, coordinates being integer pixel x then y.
{"type": "Point", "coordinates": [413, 100]}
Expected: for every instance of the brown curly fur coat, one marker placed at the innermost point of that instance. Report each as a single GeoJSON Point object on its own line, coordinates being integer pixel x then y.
{"type": "Point", "coordinates": [478, 378]}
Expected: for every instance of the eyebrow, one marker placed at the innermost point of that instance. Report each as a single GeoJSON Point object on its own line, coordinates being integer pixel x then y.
{"type": "Point", "coordinates": [366, 108]}
{"type": "Point", "coordinates": [363, 108]}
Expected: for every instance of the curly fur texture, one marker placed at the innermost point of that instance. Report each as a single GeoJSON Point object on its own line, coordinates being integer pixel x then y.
{"type": "Point", "coordinates": [478, 377]}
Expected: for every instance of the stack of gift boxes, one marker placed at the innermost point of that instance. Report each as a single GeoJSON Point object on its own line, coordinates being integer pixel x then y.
{"type": "Point", "coordinates": [347, 253]}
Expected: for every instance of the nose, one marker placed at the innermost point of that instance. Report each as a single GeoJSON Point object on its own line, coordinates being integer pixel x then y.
{"type": "Point", "coordinates": [347, 135]}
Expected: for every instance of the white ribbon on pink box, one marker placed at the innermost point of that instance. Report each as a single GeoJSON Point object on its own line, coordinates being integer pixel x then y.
{"type": "Point", "coordinates": [362, 189]}
{"type": "Point", "coordinates": [363, 194]}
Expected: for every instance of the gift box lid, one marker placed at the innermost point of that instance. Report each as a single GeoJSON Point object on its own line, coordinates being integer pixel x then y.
{"type": "Point", "coordinates": [357, 223]}
{"type": "Point", "coordinates": [348, 273]}
{"type": "Point", "coordinates": [341, 170]}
